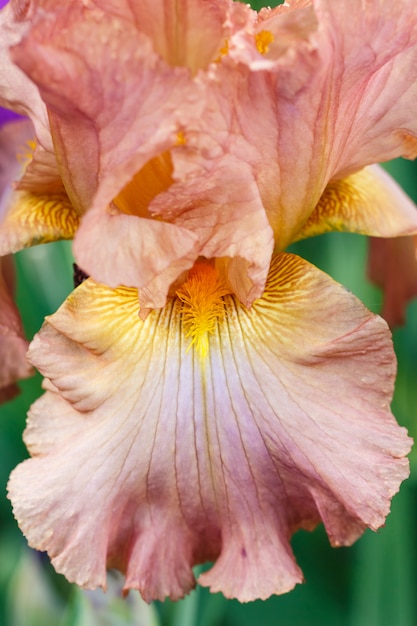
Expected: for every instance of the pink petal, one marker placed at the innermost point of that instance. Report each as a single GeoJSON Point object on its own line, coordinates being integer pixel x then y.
{"type": "Point", "coordinates": [373, 78]}
{"type": "Point", "coordinates": [339, 97]}
{"type": "Point", "coordinates": [393, 267]}
{"type": "Point", "coordinates": [363, 61]}
{"type": "Point", "coordinates": [136, 251]}
{"type": "Point", "coordinates": [14, 138]}
{"type": "Point", "coordinates": [119, 115]}
{"type": "Point", "coordinates": [112, 109]}
{"type": "Point", "coordinates": [40, 210]}
{"type": "Point", "coordinates": [187, 33]}
{"type": "Point", "coordinates": [290, 24]}
{"type": "Point", "coordinates": [369, 202]}
{"type": "Point", "coordinates": [42, 176]}
{"type": "Point", "coordinates": [223, 208]}
{"type": "Point", "coordinates": [17, 91]}
{"type": "Point", "coordinates": [160, 455]}
{"type": "Point", "coordinates": [13, 346]}
{"type": "Point", "coordinates": [323, 96]}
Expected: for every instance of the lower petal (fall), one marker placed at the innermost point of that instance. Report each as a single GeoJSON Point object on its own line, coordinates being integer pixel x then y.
{"type": "Point", "coordinates": [151, 455]}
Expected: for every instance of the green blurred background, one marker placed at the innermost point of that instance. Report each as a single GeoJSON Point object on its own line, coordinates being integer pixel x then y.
{"type": "Point", "coordinates": [372, 583]}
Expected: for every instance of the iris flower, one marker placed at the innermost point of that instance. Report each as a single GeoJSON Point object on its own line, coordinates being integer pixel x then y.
{"type": "Point", "coordinates": [185, 146]}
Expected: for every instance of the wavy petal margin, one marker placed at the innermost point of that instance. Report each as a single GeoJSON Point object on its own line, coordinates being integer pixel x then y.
{"type": "Point", "coordinates": [159, 457]}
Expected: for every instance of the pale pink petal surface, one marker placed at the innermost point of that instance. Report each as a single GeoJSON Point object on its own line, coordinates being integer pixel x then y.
{"type": "Point", "coordinates": [13, 345]}
{"type": "Point", "coordinates": [13, 142]}
{"type": "Point", "coordinates": [108, 119]}
{"type": "Point", "coordinates": [160, 456]}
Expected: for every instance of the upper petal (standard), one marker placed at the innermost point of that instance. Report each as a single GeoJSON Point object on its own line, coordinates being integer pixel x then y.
{"type": "Point", "coordinates": [339, 96]}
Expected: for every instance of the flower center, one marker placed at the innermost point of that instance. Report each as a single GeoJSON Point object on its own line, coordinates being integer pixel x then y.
{"type": "Point", "coordinates": [203, 305]}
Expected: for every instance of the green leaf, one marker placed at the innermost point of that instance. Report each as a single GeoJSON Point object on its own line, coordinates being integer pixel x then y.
{"type": "Point", "coordinates": [99, 608]}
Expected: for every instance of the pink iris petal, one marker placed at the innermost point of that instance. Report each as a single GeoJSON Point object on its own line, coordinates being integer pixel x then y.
{"type": "Point", "coordinates": [393, 267]}
{"type": "Point", "coordinates": [340, 97]}
{"type": "Point", "coordinates": [134, 238]}
{"type": "Point", "coordinates": [41, 174]}
{"type": "Point", "coordinates": [17, 91]}
{"type": "Point", "coordinates": [112, 109]}
{"type": "Point", "coordinates": [13, 346]}
{"type": "Point", "coordinates": [158, 455]}
{"type": "Point", "coordinates": [14, 139]}
{"type": "Point", "coordinates": [374, 78]}
{"type": "Point", "coordinates": [223, 208]}
{"type": "Point", "coordinates": [299, 95]}
{"type": "Point", "coordinates": [187, 33]}
{"type": "Point", "coordinates": [121, 115]}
